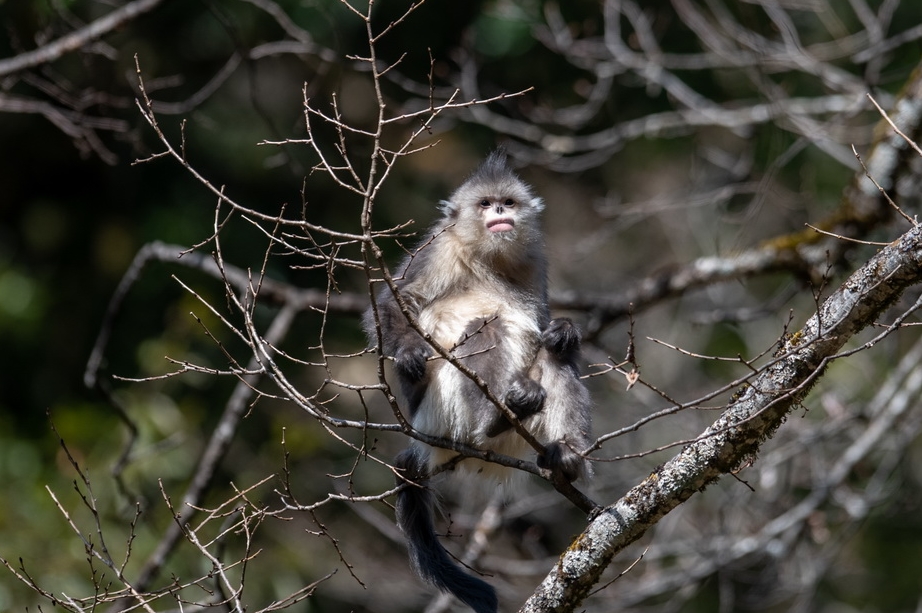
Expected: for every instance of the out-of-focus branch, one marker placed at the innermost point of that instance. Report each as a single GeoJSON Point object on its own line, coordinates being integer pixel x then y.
{"type": "Point", "coordinates": [66, 110]}
{"type": "Point", "coordinates": [80, 127]}
{"type": "Point", "coordinates": [78, 38]}
{"type": "Point", "coordinates": [806, 253]}
{"type": "Point", "coordinates": [628, 46]}
{"type": "Point", "coordinates": [271, 291]}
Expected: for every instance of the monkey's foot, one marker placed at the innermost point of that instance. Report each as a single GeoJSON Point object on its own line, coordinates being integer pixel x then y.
{"type": "Point", "coordinates": [559, 456]}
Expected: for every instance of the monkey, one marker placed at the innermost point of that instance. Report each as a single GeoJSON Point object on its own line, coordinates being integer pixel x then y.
{"type": "Point", "coordinates": [477, 285]}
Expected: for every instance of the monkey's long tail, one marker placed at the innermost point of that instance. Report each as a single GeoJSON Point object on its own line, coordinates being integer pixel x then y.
{"type": "Point", "coordinates": [429, 558]}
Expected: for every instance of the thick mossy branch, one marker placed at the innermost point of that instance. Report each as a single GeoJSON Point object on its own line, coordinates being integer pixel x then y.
{"type": "Point", "coordinates": [738, 433]}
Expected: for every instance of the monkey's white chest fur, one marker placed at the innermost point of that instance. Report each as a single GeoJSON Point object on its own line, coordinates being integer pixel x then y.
{"type": "Point", "coordinates": [443, 411]}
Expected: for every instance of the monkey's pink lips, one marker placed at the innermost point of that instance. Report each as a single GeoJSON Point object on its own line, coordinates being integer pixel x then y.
{"type": "Point", "coordinates": [500, 225]}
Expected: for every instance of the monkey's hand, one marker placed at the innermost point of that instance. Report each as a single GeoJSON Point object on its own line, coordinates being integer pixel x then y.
{"type": "Point", "coordinates": [524, 398]}
{"type": "Point", "coordinates": [410, 360]}
{"type": "Point", "coordinates": [559, 456]}
{"type": "Point", "coordinates": [562, 339]}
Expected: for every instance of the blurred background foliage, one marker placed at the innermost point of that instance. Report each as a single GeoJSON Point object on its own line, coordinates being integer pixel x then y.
{"type": "Point", "coordinates": [72, 219]}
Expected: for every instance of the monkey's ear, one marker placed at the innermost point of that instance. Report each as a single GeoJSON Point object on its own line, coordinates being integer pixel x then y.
{"type": "Point", "coordinates": [537, 203]}
{"type": "Point", "coordinates": [449, 209]}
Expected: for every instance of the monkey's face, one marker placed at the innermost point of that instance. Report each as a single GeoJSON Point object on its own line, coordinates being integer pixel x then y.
{"type": "Point", "coordinates": [498, 216]}
{"type": "Point", "coordinates": [499, 222]}
{"type": "Point", "coordinates": [499, 228]}
{"type": "Point", "coordinates": [494, 213]}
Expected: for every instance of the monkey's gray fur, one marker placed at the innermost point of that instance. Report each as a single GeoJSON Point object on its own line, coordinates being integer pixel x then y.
{"type": "Point", "coordinates": [478, 285]}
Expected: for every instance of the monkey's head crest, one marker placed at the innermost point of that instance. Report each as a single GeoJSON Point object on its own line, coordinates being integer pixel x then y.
{"type": "Point", "coordinates": [494, 169]}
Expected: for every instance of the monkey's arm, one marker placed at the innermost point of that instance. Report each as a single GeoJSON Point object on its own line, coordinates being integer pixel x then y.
{"type": "Point", "coordinates": [401, 342]}
{"type": "Point", "coordinates": [405, 344]}
{"type": "Point", "coordinates": [399, 339]}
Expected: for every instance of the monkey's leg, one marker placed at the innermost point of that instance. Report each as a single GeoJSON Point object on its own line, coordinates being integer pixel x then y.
{"type": "Point", "coordinates": [566, 421]}
{"type": "Point", "coordinates": [558, 455]}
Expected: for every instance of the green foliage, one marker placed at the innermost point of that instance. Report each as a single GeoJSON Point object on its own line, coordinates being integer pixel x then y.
{"type": "Point", "coordinates": [22, 304]}
{"type": "Point", "coordinates": [504, 28]}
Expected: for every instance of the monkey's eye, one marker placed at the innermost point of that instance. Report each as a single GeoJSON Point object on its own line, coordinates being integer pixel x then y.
{"type": "Point", "coordinates": [510, 202]}
{"type": "Point", "coordinates": [485, 203]}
